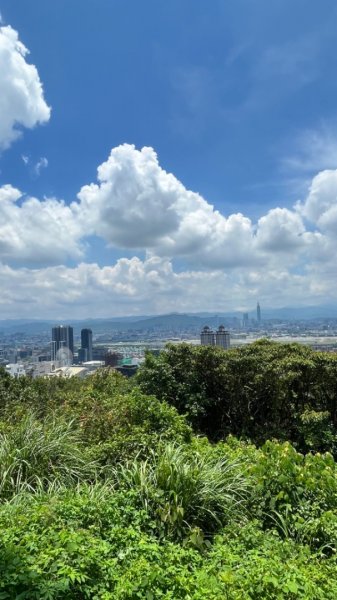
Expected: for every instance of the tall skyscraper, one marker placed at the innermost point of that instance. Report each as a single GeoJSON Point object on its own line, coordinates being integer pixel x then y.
{"type": "Point", "coordinates": [258, 313]}
{"type": "Point", "coordinates": [62, 343]}
{"type": "Point", "coordinates": [86, 344]}
{"type": "Point", "coordinates": [222, 338]}
{"type": "Point", "coordinates": [245, 320]}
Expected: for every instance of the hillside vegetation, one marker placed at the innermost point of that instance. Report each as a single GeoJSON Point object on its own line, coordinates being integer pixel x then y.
{"type": "Point", "coordinates": [211, 476]}
{"type": "Point", "coordinates": [260, 391]}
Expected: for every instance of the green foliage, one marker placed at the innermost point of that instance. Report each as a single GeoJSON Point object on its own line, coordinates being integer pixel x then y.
{"type": "Point", "coordinates": [183, 490]}
{"type": "Point", "coordinates": [95, 545]}
{"type": "Point", "coordinates": [258, 565]}
{"type": "Point", "coordinates": [35, 456]}
{"type": "Point", "coordinates": [297, 494]}
{"type": "Point", "coordinates": [115, 419]}
{"type": "Point", "coordinates": [317, 431]}
{"type": "Point", "coordinates": [259, 391]}
{"type": "Point", "coordinates": [105, 493]}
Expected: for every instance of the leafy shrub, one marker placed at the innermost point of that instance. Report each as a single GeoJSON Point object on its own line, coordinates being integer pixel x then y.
{"type": "Point", "coordinates": [317, 431]}
{"type": "Point", "coordinates": [250, 563]}
{"type": "Point", "coordinates": [161, 513]}
{"type": "Point", "coordinates": [35, 455]}
{"type": "Point", "coordinates": [88, 544]}
{"type": "Point", "coordinates": [184, 490]}
{"type": "Point", "coordinates": [258, 391]}
{"type": "Point", "coordinates": [123, 426]}
{"type": "Point", "coordinates": [91, 543]}
{"type": "Point", "coordinates": [297, 493]}
{"type": "Point", "coordinates": [114, 418]}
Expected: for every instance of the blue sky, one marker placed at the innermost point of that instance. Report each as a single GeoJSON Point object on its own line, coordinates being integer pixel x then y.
{"type": "Point", "coordinates": [238, 101]}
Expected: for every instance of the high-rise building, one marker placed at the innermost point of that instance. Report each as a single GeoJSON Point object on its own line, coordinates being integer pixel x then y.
{"type": "Point", "coordinates": [86, 345]}
{"type": "Point", "coordinates": [222, 338]}
{"type": "Point", "coordinates": [245, 320]}
{"type": "Point", "coordinates": [258, 313]}
{"type": "Point", "coordinates": [207, 337]}
{"type": "Point", "coordinates": [62, 343]}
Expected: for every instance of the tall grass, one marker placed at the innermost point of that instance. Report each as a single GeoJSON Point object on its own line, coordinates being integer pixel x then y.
{"type": "Point", "coordinates": [182, 490]}
{"type": "Point", "coordinates": [35, 456]}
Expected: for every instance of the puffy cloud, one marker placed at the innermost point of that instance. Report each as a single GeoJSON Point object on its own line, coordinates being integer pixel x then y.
{"type": "Point", "coordinates": [320, 206]}
{"type": "Point", "coordinates": [129, 285]}
{"type": "Point", "coordinates": [134, 204]}
{"type": "Point", "coordinates": [280, 230]}
{"type": "Point", "coordinates": [152, 286]}
{"type": "Point", "coordinates": [137, 204]}
{"type": "Point", "coordinates": [228, 261]}
{"type": "Point", "coordinates": [34, 231]}
{"type": "Point", "coordinates": [22, 103]}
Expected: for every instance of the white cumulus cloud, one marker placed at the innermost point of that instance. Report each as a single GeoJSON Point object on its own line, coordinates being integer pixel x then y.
{"type": "Point", "coordinates": [281, 230]}
{"type": "Point", "coordinates": [22, 102]}
{"type": "Point", "coordinates": [35, 231]}
{"type": "Point", "coordinates": [196, 257]}
{"type": "Point", "coordinates": [151, 286]}
{"type": "Point", "coordinates": [320, 206]}
{"type": "Point", "coordinates": [137, 204]}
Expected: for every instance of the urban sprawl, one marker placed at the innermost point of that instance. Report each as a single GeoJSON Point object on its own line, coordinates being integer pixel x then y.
{"type": "Point", "coordinates": [38, 349]}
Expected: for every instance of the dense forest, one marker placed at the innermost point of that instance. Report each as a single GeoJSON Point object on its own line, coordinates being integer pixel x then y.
{"type": "Point", "coordinates": [210, 475]}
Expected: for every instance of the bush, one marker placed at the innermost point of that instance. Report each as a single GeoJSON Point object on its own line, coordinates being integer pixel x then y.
{"type": "Point", "coordinates": [96, 543]}
{"type": "Point", "coordinates": [88, 544]}
{"type": "Point", "coordinates": [121, 426]}
{"type": "Point", "coordinates": [297, 493]}
{"type": "Point", "coordinates": [258, 391]}
{"type": "Point", "coordinates": [317, 431]}
{"type": "Point", "coordinates": [161, 513]}
{"type": "Point", "coordinates": [113, 417]}
{"type": "Point", "coordinates": [35, 456]}
{"type": "Point", "coordinates": [184, 490]}
{"type": "Point", "coordinates": [250, 563]}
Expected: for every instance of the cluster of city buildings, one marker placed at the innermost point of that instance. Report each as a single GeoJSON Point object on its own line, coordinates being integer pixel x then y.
{"type": "Point", "coordinates": [219, 338]}
{"type": "Point", "coordinates": [246, 322]}
{"type": "Point", "coordinates": [64, 359]}
{"type": "Point", "coordinates": [64, 351]}
{"type": "Point", "coordinates": [62, 343]}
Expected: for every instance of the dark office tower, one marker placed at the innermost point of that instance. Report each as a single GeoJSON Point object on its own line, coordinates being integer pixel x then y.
{"type": "Point", "coordinates": [245, 320]}
{"type": "Point", "coordinates": [86, 343]}
{"type": "Point", "coordinates": [258, 313]}
{"type": "Point", "coordinates": [62, 340]}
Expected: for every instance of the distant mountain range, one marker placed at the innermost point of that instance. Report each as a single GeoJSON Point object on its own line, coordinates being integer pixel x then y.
{"type": "Point", "coordinates": [173, 322]}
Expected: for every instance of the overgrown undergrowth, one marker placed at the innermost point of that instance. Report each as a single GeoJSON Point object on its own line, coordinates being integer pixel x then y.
{"type": "Point", "coordinates": [106, 493]}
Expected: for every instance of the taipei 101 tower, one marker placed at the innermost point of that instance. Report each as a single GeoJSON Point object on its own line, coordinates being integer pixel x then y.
{"type": "Point", "coordinates": [258, 313]}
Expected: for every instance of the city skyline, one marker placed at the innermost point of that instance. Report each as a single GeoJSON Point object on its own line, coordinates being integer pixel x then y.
{"type": "Point", "coordinates": [199, 174]}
